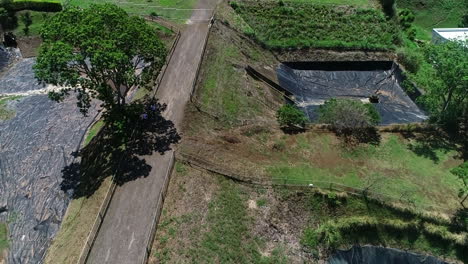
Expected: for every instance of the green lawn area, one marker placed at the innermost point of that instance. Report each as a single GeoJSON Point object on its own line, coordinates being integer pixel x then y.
{"type": "Point", "coordinates": [165, 8]}
{"type": "Point", "coordinates": [392, 168]}
{"type": "Point", "coordinates": [299, 25]}
{"type": "Point", "coordinates": [3, 239]}
{"type": "Point", "coordinates": [431, 14]}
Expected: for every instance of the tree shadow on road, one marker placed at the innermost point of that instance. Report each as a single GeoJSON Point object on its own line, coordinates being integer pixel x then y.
{"type": "Point", "coordinates": [117, 149]}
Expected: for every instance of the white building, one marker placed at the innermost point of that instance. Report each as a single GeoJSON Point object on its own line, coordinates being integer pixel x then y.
{"type": "Point", "coordinates": [440, 35]}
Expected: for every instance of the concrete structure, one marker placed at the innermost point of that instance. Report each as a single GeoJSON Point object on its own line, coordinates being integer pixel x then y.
{"type": "Point", "coordinates": [440, 35]}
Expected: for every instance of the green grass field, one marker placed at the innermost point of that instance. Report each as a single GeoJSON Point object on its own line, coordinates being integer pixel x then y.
{"type": "Point", "coordinates": [173, 10]}
{"type": "Point", "coordinates": [391, 168]}
{"type": "Point", "coordinates": [303, 25]}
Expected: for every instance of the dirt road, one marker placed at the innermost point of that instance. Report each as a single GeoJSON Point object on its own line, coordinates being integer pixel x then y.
{"type": "Point", "coordinates": [124, 234]}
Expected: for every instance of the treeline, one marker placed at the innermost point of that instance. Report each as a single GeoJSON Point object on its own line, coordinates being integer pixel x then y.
{"type": "Point", "coordinates": [43, 5]}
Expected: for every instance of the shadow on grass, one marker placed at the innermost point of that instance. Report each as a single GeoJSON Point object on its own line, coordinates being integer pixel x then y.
{"type": "Point", "coordinates": [427, 144]}
{"type": "Point", "coordinates": [130, 133]}
{"type": "Point", "coordinates": [356, 136]}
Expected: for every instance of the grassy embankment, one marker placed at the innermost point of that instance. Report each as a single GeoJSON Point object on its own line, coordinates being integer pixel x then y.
{"type": "Point", "coordinates": [394, 168]}
{"type": "Point", "coordinates": [165, 8]}
{"type": "Point", "coordinates": [207, 217]}
{"type": "Point", "coordinates": [3, 239]}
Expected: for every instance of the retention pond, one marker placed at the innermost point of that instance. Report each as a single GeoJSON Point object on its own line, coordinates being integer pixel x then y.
{"type": "Point", "coordinates": [380, 255]}
{"type": "Point", "coordinates": [378, 82]}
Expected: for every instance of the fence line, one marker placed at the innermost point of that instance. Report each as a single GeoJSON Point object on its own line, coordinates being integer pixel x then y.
{"type": "Point", "coordinates": [157, 211]}
{"type": "Point", "coordinates": [162, 72]}
{"type": "Point", "coordinates": [92, 235]}
{"type": "Point", "coordinates": [195, 80]}
{"type": "Point", "coordinates": [284, 181]}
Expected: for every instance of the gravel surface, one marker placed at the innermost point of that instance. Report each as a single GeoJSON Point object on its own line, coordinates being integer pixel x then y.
{"type": "Point", "coordinates": [35, 146]}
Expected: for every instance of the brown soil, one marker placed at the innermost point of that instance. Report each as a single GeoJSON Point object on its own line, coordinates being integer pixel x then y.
{"type": "Point", "coordinates": [29, 46]}
{"type": "Point", "coordinates": [331, 55]}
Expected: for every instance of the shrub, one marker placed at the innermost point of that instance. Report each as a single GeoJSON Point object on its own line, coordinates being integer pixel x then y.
{"type": "Point", "coordinates": [290, 115]}
{"type": "Point", "coordinates": [348, 114]}
{"type": "Point", "coordinates": [388, 7]}
{"type": "Point", "coordinates": [406, 18]}
{"type": "Point", "coordinates": [411, 59]}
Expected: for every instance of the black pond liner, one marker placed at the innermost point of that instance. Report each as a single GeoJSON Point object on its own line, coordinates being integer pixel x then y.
{"type": "Point", "coordinates": [35, 145]}
{"type": "Point", "coordinates": [380, 255]}
{"type": "Point", "coordinates": [311, 83]}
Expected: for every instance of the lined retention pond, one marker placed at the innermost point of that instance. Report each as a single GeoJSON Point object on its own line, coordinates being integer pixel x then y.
{"type": "Point", "coordinates": [380, 255]}
{"type": "Point", "coordinates": [312, 83]}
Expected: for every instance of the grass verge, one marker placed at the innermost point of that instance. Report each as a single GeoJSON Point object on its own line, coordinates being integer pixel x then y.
{"type": "Point", "coordinates": [76, 225]}
{"type": "Point", "coordinates": [92, 132]}
{"type": "Point", "coordinates": [344, 221]}
{"type": "Point", "coordinates": [3, 239]}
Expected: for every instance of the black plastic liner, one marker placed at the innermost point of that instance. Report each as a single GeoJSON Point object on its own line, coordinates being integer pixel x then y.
{"type": "Point", "coordinates": [312, 83]}
{"type": "Point", "coordinates": [380, 255]}
{"type": "Point", "coordinates": [35, 146]}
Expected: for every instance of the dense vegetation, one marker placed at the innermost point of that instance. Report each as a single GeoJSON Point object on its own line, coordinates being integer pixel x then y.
{"type": "Point", "coordinates": [284, 25]}
{"type": "Point", "coordinates": [290, 115]}
{"type": "Point", "coordinates": [431, 14]}
{"type": "Point", "coordinates": [345, 220]}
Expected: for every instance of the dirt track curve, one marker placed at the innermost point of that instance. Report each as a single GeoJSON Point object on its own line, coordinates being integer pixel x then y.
{"type": "Point", "coordinates": [124, 233]}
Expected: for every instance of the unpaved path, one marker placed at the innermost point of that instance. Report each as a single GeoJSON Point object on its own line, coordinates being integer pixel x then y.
{"type": "Point", "coordinates": [124, 234]}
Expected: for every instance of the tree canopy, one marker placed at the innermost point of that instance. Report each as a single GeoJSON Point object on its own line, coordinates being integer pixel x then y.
{"type": "Point", "coordinates": [445, 82]}
{"type": "Point", "coordinates": [98, 52]}
{"type": "Point", "coordinates": [462, 173]}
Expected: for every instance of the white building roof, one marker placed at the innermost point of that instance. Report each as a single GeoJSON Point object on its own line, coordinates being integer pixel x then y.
{"type": "Point", "coordinates": [450, 33]}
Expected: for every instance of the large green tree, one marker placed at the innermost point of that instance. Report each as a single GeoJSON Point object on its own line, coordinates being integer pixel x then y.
{"type": "Point", "coordinates": [445, 81]}
{"type": "Point", "coordinates": [98, 52]}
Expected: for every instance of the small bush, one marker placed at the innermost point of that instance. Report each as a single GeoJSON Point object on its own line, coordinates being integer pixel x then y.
{"type": "Point", "coordinates": [289, 115]}
{"type": "Point", "coordinates": [348, 114]}
{"type": "Point", "coordinates": [333, 200]}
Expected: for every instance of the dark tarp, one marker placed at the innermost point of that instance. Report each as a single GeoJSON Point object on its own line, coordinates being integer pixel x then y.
{"type": "Point", "coordinates": [312, 83]}
{"type": "Point", "coordinates": [380, 255]}
{"type": "Point", "coordinates": [35, 146]}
